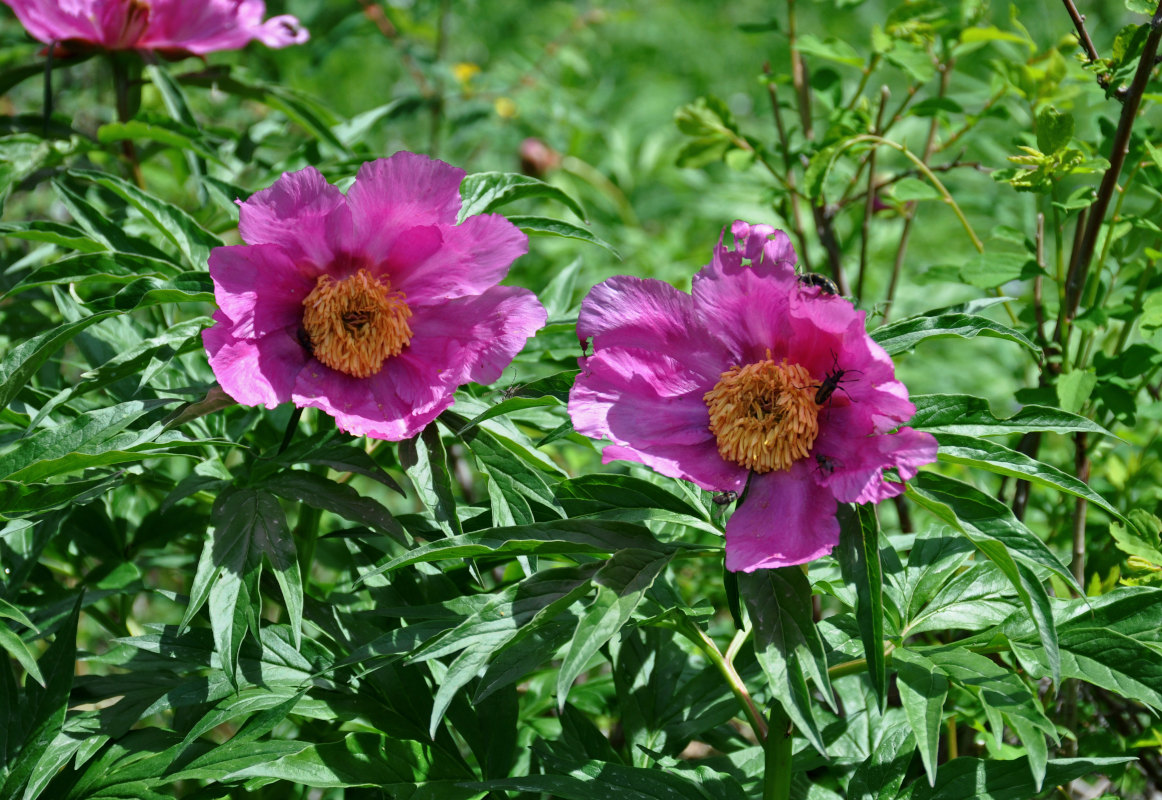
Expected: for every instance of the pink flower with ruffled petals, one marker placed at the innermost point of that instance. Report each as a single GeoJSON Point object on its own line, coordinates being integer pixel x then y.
{"type": "Point", "coordinates": [173, 27]}
{"type": "Point", "coordinates": [755, 382]}
{"type": "Point", "coordinates": [373, 306]}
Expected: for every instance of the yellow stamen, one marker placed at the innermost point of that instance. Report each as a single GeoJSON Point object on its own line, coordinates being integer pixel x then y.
{"type": "Point", "coordinates": [354, 324]}
{"type": "Point", "coordinates": [764, 414]}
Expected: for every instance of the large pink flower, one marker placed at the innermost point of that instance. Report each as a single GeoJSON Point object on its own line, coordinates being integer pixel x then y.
{"type": "Point", "coordinates": [174, 27]}
{"type": "Point", "coordinates": [372, 306]}
{"type": "Point", "coordinates": [755, 382]}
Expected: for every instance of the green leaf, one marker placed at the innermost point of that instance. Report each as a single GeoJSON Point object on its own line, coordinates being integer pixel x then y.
{"type": "Point", "coordinates": [22, 361]}
{"type": "Point", "coordinates": [900, 336]}
{"type": "Point", "coordinates": [994, 457]}
{"type": "Point", "coordinates": [38, 230]}
{"type": "Point", "coordinates": [923, 690]}
{"type": "Point", "coordinates": [166, 132]}
{"type": "Point", "coordinates": [15, 646]}
{"type": "Point", "coordinates": [338, 498]}
{"type": "Point", "coordinates": [592, 779]}
{"type": "Point", "coordinates": [247, 525]}
{"type": "Point", "coordinates": [397, 767]}
{"type": "Point", "coordinates": [989, 270]}
{"type": "Point", "coordinates": [42, 709]}
{"type": "Point", "coordinates": [859, 561]}
{"type": "Point", "coordinates": [190, 287]}
{"type": "Point", "coordinates": [1105, 658]}
{"type": "Point", "coordinates": [787, 643]}
{"type": "Point", "coordinates": [1074, 389]}
{"type": "Point", "coordinates": [93, 439]}
{"type": "Point", "coordinates": [621, 583]}
{"type": "Point", "coordinates": [1054, 130]}
{"type": "Point", "coordinates": [191, 239]}
{"type": "Point", "coordinates": [426, 462]}
{"type": "Point", "coordinates": [95, 268]}
{"type": "Point", "coordinates": [880, 776]}
{"type": "Point", "coordinates": [557, 227]}
{"type": "Point", "coordinates": [983, 779]}
{"type": "Point", "coordinates": [485, 192]}
{"type": "Point", "coordinates": [560, 537]}
{"type": "Point", "coordinates": [1141, 536]}
{"type": "Point", "coordinates": [971, 416]}
{"type": "Point", "coordinates": [832, 48]}
{"type": "Point", "coordinates": [1145, 7]}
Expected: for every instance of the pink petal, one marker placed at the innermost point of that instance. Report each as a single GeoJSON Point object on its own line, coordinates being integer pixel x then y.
{"type": "Point", "coordinates": [58, 20]}
{"type": "Point", "coordinates": [471, 257]}
{"type": "Point", "coordinates": [211, 25]}
{"type": "Point", "coordinates": [301, 213]}
{"type": "Point", "coordinates": [253, 371]}
{"type": "Point", "coordinates": [471, 338]}
{"type": "Point", "coordinates": [474, 338]}
{"type": "Point", "coordinates": [258, 288]}
{"type": "Point", "coordinates": [648, 314]}
{"type": "Point", "coordinates": [785, 518]}
{"type": "Point", "coordinates": [400, 192]}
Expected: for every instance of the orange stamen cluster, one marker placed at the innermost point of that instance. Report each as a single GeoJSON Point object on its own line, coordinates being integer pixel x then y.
{"type": "Point", "coordinates": [764, 414]}
{"type": "Point", "coordinates": [355, 323]}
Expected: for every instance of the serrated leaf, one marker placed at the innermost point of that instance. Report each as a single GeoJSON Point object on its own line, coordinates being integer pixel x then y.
{"type": "Point", "coordinates": [485, 192]}
{"type": "Point", "coordinates": [907, 333]}
{"type": "Point", "coordinates": [971, 416]}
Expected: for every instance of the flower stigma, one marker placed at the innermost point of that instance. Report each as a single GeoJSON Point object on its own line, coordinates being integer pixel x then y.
{"type": "Point", "coordinates": [764, 415]}
{"type": "Point", "coordinates": [355, 323]}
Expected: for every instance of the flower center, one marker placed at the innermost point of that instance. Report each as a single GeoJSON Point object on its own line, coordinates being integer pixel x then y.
{"type": "Point", "coordinates": [355, 323]}
{"type": "Point", "coordinates": [764, 414]}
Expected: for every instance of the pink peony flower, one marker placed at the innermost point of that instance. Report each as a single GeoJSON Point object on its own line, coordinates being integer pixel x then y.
{"type": "Point", "coordinates": [374, 306]}
{"type": "Point", "coordinates": [174, 27]}
{"type": "Point", "coordinates": [756, 381]}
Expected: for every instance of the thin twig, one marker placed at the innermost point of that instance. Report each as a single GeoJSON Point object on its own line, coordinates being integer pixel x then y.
{"type": "Point", "coordinates": [1075, 281]}
{"type": "Point", "coordinates": [869, 205]}
{"type": "Point", "coordinates": [1081, 468]}
{"type": "Point", "coordinates": [1082, 33]}
{"type": "Point", "coordinates": [785, 147]}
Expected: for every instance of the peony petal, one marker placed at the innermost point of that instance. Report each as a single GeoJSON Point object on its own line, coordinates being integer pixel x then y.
{"type": "Point", "coordinates": [254, 371]}
{"type": "Point", "coordinates": [301, 213]}
{"type": "Point", "coordinates": [746, 310]}
{"type": "Point", "coordinates": [474, 338]}
{"type": "Point", "coordinates": [58, 20]}
{"type": "Point", "coordinates": [209, 25]}
{"type": "Point", "coordinates": [397, 193]}
{"type": "Point", "coordinates": [785, 518]}
{"type": "Point", "coordinates": [650, 315]}
{"type": "Point", "coordinates": [470, 258]}
{"type": "Point", "coordinates": [258, 288]}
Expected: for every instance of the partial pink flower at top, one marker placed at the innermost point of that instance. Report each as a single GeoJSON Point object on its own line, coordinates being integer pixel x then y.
{"type": "Point", "coordinates": [757, 382]}
{"type": "Point", "coordinates": [373, 306]}
{"type": "Point", "coordinates": [173, 27]}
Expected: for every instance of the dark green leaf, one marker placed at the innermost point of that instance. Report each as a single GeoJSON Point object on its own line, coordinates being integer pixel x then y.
{"type": "Point", "coordinates": [981, 779]}
{"type": "Point", "coordinates": [556, 227]}
{"type": "Point", "coordinates": [22, 361]}
{"type": "Point", "coordinates": [971, 416]}
{"type": "Point", "coordinates": [859, 560]}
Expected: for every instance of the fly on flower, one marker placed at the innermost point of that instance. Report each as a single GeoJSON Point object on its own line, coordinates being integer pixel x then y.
{"type": "Point", "coordinates": [720, 388]}
{"type": "Point", "coordinates": [374, 306]}
{"type": "Point", "coordinates": [173, 27]}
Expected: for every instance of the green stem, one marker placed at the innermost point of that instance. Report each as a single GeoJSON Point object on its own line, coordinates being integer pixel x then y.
{"type": "Point", "coordinates": [733, 680]}
{"type": "Point", "coordinates": [777, 748]}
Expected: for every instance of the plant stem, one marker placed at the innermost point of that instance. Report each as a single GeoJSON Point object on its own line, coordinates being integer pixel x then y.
{"type": "Point", "coordinates": [869, 204]}
{"type": "Point", "coordinates": [1079, 270]}
{"type": "Point", "coordinates": [733, 680]}
{"type": "Point", "coordinates": [122, 83]}
{"type": "Point", "coordinates": [785, 149]}
{"type": "Point", "coordinates": [778, 747]}
{"type": "Point", "coordinates": [1081, 467]}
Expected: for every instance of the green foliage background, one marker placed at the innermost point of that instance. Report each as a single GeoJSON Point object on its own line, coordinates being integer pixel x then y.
{"type": "Point", "coordinates": [486, 610]}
